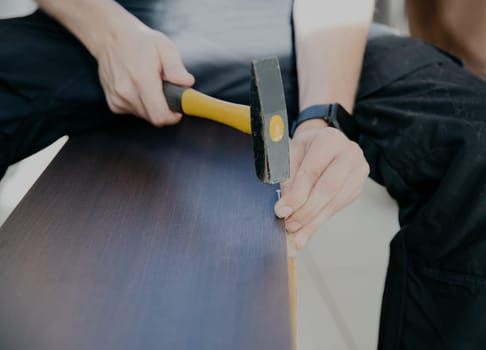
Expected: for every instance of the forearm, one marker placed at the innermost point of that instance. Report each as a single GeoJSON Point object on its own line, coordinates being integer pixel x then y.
{"type": "Point", "coordinates": [91, 21]}
{"type": "Point", "coordinates": [330, 41]}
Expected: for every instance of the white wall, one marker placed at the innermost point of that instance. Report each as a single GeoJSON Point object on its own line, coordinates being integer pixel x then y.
{"type": "Point", "coordinates": [392, 12]}
{"type": "Point", "coordinates": [12, 8]}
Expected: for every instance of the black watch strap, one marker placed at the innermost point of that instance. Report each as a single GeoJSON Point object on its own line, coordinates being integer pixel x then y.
{"type": "Point", "coordinates": [333, 114]}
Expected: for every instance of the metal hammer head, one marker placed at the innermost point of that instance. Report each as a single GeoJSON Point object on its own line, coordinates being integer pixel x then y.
{"type": "Point", "coordinates": [269, 122]}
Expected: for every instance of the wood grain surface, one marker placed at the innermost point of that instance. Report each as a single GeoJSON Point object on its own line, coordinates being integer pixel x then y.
{"type": "Point", "coordinates": [139, 238]}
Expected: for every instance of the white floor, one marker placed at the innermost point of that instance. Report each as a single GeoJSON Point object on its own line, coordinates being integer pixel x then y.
{"type": "Point", "coordinates": [339, 276]}
{"type": "Point", "coordinates": [10, 8]}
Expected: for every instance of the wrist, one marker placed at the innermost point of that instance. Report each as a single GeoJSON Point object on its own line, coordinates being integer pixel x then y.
{"type": "Point", "coordinates": [310, 125]}
{"type": "Point", "coordinates": [95, 23]}
{"type": "Point", "coordinates": [319, 112]}
{"type": "Point", "coordinates": [334, 115]}
{"type": "Point", "coordinates": [110, 25]}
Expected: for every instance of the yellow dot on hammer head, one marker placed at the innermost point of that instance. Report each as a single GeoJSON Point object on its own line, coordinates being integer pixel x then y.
{"type": "Point", "coordinates": [276, 128]}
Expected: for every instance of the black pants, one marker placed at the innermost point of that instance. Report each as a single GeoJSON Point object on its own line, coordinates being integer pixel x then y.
{"type": "Point", "coordinates": [423, 124]}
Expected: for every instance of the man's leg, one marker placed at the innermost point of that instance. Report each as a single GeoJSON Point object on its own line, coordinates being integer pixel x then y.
{"type": "Point", "coordinates": [48, 87]}
{"type": "Point", "coordinates": [423, 122]}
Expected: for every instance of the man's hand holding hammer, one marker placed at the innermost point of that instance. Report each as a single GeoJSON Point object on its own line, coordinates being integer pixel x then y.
{"type": "Point", "coordinates": [132, 58]}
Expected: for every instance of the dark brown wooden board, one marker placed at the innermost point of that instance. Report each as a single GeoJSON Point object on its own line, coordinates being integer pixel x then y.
{"type": "Point", "coordinates": [144, 238]}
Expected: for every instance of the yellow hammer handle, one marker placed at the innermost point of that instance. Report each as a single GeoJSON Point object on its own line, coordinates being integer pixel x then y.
{"type": "Point", "coordinates": [197, 104]}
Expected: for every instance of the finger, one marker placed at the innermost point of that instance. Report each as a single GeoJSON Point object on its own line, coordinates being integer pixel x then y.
{"type": "Point", "coordinates": [320, 154]}
{"type": "Point", "coordinates": [173, 70]}
{"type": "Point", "coordinates": [125, 95]}
{"type": "Point", "coordinates": [114, 105]}
{"type": "Point", "coordinates": [115, 108]}
{"type": "Point", "coordinates": [349, 167]}
{"type": "Point", "coordinates": [153, 100]}
{"type": "Point", "coordinates": [300, 142]}
{"type": "Point", "coordinates": [348, 194]}
{"type": "Point", "coordinates": [135, 105]}
{"type": "Point", "coordinates": [326, 188]}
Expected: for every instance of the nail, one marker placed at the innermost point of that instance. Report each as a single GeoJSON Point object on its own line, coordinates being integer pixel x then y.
{"type": "Point", "coordinates": [283, 212]}
{"type": "Point", "coordinates": [293, 226]}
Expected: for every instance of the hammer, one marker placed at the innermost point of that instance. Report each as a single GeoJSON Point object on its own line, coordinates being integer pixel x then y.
{"type": "Point", "coordinates": [265, 119]}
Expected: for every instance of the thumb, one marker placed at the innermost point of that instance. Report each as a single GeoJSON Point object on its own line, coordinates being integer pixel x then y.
{"type": "Point", "coordinates": [179, 77]}
{"type": "Point", "coordinates": [296, 155]}
{"type": "Point", "coordinates": [173, 69]}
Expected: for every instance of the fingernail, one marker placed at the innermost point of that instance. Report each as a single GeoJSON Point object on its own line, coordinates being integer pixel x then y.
{"type": "Point", "coordinates": [283, 212]}
{"type": "Point", "coordinates": [300, 241]}
{"type": "Point", "coordinates": [293, 226]}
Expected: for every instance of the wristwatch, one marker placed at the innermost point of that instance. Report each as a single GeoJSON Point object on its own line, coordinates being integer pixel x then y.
{"type": "Point", "coordinates": [333, 114]}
